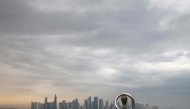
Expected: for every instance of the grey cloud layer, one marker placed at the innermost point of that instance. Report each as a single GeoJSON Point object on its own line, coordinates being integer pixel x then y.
{"type": "Point", "coordinates": [104, 44]}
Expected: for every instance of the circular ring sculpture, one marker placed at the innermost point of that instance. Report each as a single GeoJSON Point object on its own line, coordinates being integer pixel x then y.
{"type": "Point", "coordinates": [124, 100]}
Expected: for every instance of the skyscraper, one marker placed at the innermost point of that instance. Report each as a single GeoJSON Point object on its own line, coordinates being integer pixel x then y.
{"type": "Point", "coordinates": [95, 102]}
{"type": "Point", "coordinates": [69, 105]}
{"type": "Point", "coordinates": [73, 104]}
{"type": "Point", "coordinates": [107, 105]}
{"type": "Point", "coordinates": [155, 107]}
{"type": "Point", "coordinates": [86, 104]}
{"type": "Point", "coordinates": [89, 102]}
{"type": "Point", "coordinates": [92, 107]}
{"type": "Point", "coordinates": [76, 104]}
{"type": "Point", "coordinates": [55, 102]}
{"type": "Point", "coordinates": [63, 105]}
{"type": "Point", "coordinates": [45, 103]}
{"type": "Point", "coordinates": [101, 104]}
{"type": "Point", "coordinates": [147, 106]}
{"type": "Point", "coordinates": [112, 106]}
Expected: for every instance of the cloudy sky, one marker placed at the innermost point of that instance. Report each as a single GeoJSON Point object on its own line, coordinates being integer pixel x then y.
{"type": "Point", "coordinates": [81, 48]}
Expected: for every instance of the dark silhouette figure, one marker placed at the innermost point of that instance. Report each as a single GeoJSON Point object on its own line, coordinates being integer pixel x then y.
{"type": "Point", "coordinates": [124, 101]}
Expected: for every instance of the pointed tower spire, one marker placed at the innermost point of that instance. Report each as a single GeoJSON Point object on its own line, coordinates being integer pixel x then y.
{"type": "Point", "coordinates": [45, 103]}
{"type": "Point", "coordinates": [55, 102]}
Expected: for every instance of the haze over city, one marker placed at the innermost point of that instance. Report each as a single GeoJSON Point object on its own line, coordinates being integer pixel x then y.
{"type": "Point", "coordinates": [82, 48]}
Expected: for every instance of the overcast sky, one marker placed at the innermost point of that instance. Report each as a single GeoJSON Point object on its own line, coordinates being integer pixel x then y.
{"type": "Point", "coordinates": [81, 48]}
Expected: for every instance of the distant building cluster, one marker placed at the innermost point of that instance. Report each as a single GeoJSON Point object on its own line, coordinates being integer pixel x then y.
{"type": "Point", "coordinates": [167, 108]}
{"type": "Point", "coordinates": [97, 104]}
{"type": "Point", "coordinates": [141, 106]}
{"type": "Point", "coordinates": [70, 105]}
{"type": "Point", "coordinates": [45, 105]}
{"type": "Point", "coordinates": [88, 104]}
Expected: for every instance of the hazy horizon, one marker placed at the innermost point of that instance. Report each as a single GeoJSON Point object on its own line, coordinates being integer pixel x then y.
{"type": "Point", "coordinates": [81, 48]}
{"type": "Point", "coordinates": [81, 102]}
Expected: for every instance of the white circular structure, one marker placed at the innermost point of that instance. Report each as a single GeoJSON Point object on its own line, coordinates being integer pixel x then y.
{"type": "Point", "coordinates": [128, 95]}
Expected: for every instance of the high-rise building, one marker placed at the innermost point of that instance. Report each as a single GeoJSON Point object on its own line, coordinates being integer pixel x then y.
{"type": "Point", "coordinates": [86, 104]}
{"type": "Point", "coordinates": [55, 102]}
{"type": "Point", "coordinates": [147, 106]}
{"type": "Point", "coordinates": [69, 105]}
{"type": "Point", "coordinates": [101, 104]}
{"type": "Point", "coordinates": [89, 102]}
{"type": "Point", "coordinates": [73, 104]}
{"type": "Point", "coordinates": [45, 105]}
{"type": "Point", "coordinates": [63, 105]}
{"type": "Point", "coordinates": [155, 107]}
{"type": "Point", "coordinates": [92, 107]}
{"type": "Point", "coordinates": [112, 106]}
{"type": "Point", "coordinates": [76, 104]}
{"type": "Point", "coordinates": [139, 106]}
{"type": "Point", "coordinates": [34, 105]}
{"type": "Point", "coordinates": [107, 105]}
{"type": "Point", "coordinates": [95, 102]}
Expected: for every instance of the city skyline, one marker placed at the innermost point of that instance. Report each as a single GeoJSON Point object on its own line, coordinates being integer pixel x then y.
{"type": "Point", "coordinates": [96, 104]}
{"type": "Point", "coordinates": [82, 48]}
{"type": "Point", "coordinates": [51, 105]}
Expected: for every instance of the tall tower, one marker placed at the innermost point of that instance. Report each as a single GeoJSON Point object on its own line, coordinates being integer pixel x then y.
{"type": "Point", "coordinates": [45, 103]}
{"type": "Point", "coordinates": [107, 105]}
{"type": "Point", "coordinates": [101, 104]}
{"type": "Point", "coordinates": [32, 105]}
{"type": "Point", "coordinates": [76, 105]}
{"type": "Point", "coordinates": [89, 102]}
{"type": "Point", "coordinates": [86, 104]}
{"type": "Point", "coordinates": [95, 102]}
{"type": "Point", "coordinates": [73, 104]}
{"type": "Point", "coordinates": [55, 102]}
